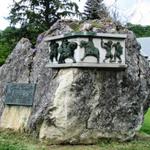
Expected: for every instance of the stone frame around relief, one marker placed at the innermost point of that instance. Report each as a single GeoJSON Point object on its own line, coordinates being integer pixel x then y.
{"type": "Point", "coordinates": [87, 51]}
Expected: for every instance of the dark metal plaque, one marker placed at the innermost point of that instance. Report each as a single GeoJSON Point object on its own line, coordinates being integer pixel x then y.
{"type": "Point", "coordinates": [19, 94]}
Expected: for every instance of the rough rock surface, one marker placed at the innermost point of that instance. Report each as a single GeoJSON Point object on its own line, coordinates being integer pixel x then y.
{"type": "Point", "coordinates": [80, 105]}
{"type": "Point", "coordinates": [15, 117]}
{"type": "Point", "coordinates": [16, 68]}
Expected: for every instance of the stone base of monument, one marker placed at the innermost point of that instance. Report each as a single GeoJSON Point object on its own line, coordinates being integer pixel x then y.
{"type": "Point", "coordinates": [84, 112]}
{"type": "Point", "coordinates": [93, 98]}
{"type": "Point", "coordinates": [18, 105]}
{"type": "Point", "coordinates": [15, 117]}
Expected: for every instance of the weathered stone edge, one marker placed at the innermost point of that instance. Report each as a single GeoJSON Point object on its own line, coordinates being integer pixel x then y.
{"type": "Point", "coordinates": [85, 34]}
{"type": "Point", "coordinates": [89, 65]}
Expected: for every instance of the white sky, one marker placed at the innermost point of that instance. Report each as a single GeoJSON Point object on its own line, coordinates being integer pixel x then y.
{"type": "Point", "coordinates": [134, 11]}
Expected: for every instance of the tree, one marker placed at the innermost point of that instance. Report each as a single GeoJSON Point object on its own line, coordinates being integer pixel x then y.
{"type": "Point", "coordinates": [139, 30]}
{"type": "Point", "coordinates": [40, 13]}
{"type": "Point", "coordinates": [95, 9]}
{"type": "Point", "coordinates": [36, 16]}
{"type": "Point", "coordinates": [8, 40]}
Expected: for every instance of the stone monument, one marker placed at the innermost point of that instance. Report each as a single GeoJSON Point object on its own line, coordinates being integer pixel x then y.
{"type": "Point", "coordinates": [88, 85]}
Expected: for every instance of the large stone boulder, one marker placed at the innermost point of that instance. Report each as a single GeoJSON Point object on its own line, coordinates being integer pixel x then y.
{"type": "Point", "coordinates": [80, 106]}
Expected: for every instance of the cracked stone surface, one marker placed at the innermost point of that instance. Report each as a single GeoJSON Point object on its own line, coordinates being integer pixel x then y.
{"type": "Point", "coordinates": [79, 106]}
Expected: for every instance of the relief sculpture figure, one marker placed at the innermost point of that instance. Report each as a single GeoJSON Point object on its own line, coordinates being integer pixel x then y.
{"type": "Point", "coordinates": [54, 50]}
{"type": "Point", "coordinates": [90, 49]}
{"type": "Point", "coordinates": [118, 51]}
{"type": "Point", "coordinates": [108, 47]}
{"type": "Point", "coordinates": [66, 50]}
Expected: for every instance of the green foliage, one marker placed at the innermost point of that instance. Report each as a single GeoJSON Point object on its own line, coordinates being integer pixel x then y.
{"type": "Point", "coordinates": [96, 24]}
{"type": "Point", "coordinates": [95, 9]}
{"type": "Point", "coordinates": [11, 35]}
{"type": "Point", "coordinates": [139, 30]}
{"type": "Point", "coordinates": [41, 13]}
{"type": "Point", "coordinates": [34, 16]}
{"type": "Point", "coordinates": [146, 125]}
{"type": "Point", "coordinates": [8, 40]}
{"type": "Point", "coordinates": [75, 26]}
{"type": "Point", "coordinates": [10, 140]}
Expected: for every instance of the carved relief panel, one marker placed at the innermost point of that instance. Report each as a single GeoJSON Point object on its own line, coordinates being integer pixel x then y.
{"type": "Point", "coordinates": [85, 50]}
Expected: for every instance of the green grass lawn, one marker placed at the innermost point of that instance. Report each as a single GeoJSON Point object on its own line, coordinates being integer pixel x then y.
{"type": "Point", "coordinates": [146, 125]}
{"type": "Point", "coordinates": [10, 140]}
{"type": "Point", "coordinates": [15, 141]}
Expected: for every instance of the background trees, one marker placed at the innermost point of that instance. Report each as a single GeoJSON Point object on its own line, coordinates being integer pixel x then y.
{"type": "Point", "coordinates": [36, 16]}
{"type": "Point", "coordinates": [95, 9]}
{"type": "Point", "coordinates": [8, 40]}
{"type": "Point", "coordinates": [41, 13]}
{"type": "Point", "coordinates": [139, 30]}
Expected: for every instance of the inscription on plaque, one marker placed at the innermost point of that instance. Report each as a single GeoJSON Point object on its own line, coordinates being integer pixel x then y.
{"type": "Point", "coordinates": [19, 94]}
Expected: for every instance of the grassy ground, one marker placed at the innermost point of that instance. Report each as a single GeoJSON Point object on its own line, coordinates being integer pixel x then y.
{"type": "Point", "coordinates": [146, 125]}
{"type": "Point", "coordinates": [15, 141]}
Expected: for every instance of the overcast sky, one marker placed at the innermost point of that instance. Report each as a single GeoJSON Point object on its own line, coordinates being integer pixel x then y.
{"type": "Point", "coordinates": [134, 11]}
